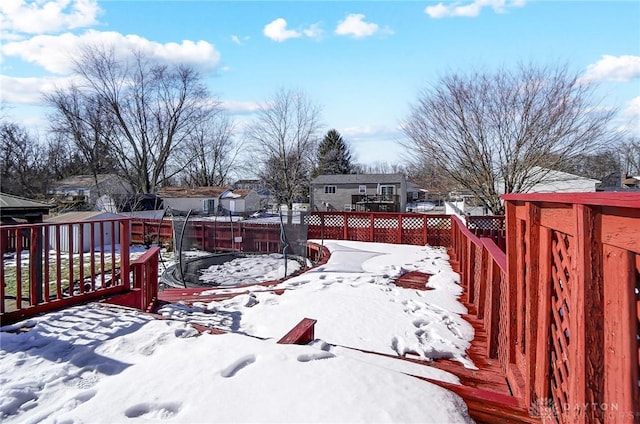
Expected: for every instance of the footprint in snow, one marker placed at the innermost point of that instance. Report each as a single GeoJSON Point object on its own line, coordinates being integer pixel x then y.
{"type": "Point", "coordinates": [315, 356]}
{"type": "Point", "coordinates": [239, 364]}
{"type": "Point", "coordinates": [153, 411]}
{"type": "Point", "coordinates": [398, 345]}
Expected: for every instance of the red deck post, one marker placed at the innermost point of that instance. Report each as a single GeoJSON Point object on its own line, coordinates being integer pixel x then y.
{"type": "Point", "coordinates": [125, 234]}
{"type": "Point", "coordinates": [620, 330]}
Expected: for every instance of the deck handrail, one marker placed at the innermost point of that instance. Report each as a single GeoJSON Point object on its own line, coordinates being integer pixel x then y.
{"type": "Point", "coordinates": [47, 274]}
{"type": "Point", "coordinates": [145, 277]}
{"type": "Point", "coordinates": [567, 294]}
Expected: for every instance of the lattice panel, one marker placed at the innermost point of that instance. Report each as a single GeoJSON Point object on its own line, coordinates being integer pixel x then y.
{"type": "Point", "coordinates": [334, 220]}
{"type": "Point", "coordinates": [413, 230]}
{"type": "Point", "coordinates": [358, 228]}
{"type": "Point", "coordinates": [312, 220]}
{"type": "Point", "coordinates": [477, 277]}
{"type": "Point", "coordinates": [439, 231]}
{"type": "Point", "coordinates": [412, 223]}
{"type": "Point", "coordinates": [440, 223]}
{"type": "Point", "coordinates": [560, 318]}
{"type": "Point", "coordinates": [385, 222]}
{"type": "Point", "coordinates": [358, 222]}
{"type": "Point", "coordinates": [485, 222]}
{"type": "Point", "coordinates": [503, 324]}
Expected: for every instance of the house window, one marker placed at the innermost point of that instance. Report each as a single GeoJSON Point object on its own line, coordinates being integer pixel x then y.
{"type": "Point", "coordinates": [387, 190]}
{"type": "Point", "coordinates": [329, 189]}
{"type": "Point", "coordinates": [362, 189]}
{"type": "Point", "coordinates": [415, 195]}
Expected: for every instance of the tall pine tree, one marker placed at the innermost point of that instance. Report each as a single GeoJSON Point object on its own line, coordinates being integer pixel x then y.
{"type": "Point", "coordinates": [334, 156]}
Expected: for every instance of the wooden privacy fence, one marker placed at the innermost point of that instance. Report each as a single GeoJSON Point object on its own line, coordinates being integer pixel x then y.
{"type": "Point", "coordinates": [562, 308]}
{"type": "Point", "coordinates": [151, 231]}
{"type": "Point", "coordinates": [381, 227]}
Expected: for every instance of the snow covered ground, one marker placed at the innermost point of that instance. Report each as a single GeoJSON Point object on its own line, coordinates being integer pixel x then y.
{"type": "Point", "coordinates": [105, 364]}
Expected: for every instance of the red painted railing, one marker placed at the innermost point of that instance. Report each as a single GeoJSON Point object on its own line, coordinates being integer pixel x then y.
{"type": "Point", "coordinates": [64, 264]}
{"type": "Point", "coordinates": [562, 307]}
{"type": "Point", "coordinates": [381, 227]}
{"type": "Point", "coordinates": [145, 278]}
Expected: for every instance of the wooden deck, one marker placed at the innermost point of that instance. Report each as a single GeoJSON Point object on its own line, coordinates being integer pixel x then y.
{"type": "Point", "coordinates": [485, 390]}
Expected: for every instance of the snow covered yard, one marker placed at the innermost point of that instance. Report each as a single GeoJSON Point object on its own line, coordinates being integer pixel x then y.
{"type": "Point", "coordinates": [101, 363]}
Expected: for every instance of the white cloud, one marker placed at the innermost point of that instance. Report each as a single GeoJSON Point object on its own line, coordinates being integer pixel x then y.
{"type": "Point", "coordinates": [314, 31]}
{"type": "Point", "coordinates": [355, 26]}
{"type": "Point", "coordinates": [29, 91]}
{"type": "Point", "coordinates": [239, 40]}
{"type": "Point", "coordinates": [367, 131]}
{"type": "Point", "coordinates": [614, 68]}
{"type": "Point", "coordinates": [236, 107]}
{"type": "Point", "coordinates": [40, 17]}
{"type": "Point", "coordinates": [630, 116]}
{"type": "Point", "coordinates": [470, 10]}
{"type": "Point", "coordinates": [277, 31]}
{"type": "Point", "coordinates": [53, 53]}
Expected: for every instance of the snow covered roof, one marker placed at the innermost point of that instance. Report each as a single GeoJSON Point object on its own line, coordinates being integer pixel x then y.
{"type": "Point", "coordinates": [9, 201]}
{"type": "Point", "coordinates": [82, 216]}
{"type": "Point", "coordinates": [83, 181]}
{"type": "Point", "coordinates": [20, 207]}
{"type": "Point", "coordinates": [236, 193]}
{"type": "Point", "coordinates": [205, 192]}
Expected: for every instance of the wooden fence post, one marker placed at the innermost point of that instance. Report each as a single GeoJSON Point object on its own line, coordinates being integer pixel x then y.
{"type": "Point", "coordinates": [586, 332]}
{"type": "Point", "coordinates": [531, 289]}
{"type": "Point", "coordinates": [542, 365]}
{"type": "Point", "coordinates": [345, 228]}
{"type": "Point", "coordinates": [621, 393]}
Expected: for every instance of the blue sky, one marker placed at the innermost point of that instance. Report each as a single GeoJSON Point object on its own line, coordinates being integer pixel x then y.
{"type": "Point", "coordinates": [363, 62]}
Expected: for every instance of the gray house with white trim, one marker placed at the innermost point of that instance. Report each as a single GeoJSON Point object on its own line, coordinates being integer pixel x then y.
{"type": "Point", "coordinates": [359, 192]}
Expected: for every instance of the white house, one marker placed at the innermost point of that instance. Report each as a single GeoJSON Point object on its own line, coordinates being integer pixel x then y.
{"type": "Point", "coordinates": [203, 200]}
{"type": "Point", "coordinates": [560, 182]}
{"type": "Point", "coordinates": [81, 229]}
{"type": "Point", "coordinates": [238, 201]}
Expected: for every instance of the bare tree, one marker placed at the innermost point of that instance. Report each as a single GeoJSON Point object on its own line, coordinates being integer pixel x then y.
{"type": "Point", "coordinates": [501, 132]}
{"type": "Point", "coordinates": [22, 167]}
{"type": "Point", "coordinates": [210, 153]}
{"type": "Point", "coordinates": [284, 138]}
{"type": "Point", "coordinates": [84, 122]}
{"type": "Point", "coordinates": [148, 110]}
{"type": "Point", "coordinates": [381, 168]}
{"type": "Point", "coordinates": [630, 155]}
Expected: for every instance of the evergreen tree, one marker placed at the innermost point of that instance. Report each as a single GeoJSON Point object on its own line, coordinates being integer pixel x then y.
{"type": "Point", "coordinates": [334, 156]}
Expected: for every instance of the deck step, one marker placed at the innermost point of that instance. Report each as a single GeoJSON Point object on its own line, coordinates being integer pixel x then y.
{"type": "Point", "coordinates": [414, 280]}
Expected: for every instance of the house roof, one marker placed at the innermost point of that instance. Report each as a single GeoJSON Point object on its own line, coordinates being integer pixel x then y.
{"type": "Point", "coordinates": [359, 179]}
{"type": "Point", "coordinates": [237, 193]}
{"type": "Point", "coordinates": [9, 201]}
{"type": "Point", "coordinates": [206, 192]}
{"type": "Point", "coordinates": [82, 216]}
{"type": "Point", "coordinates": [83, 181]}
{"type": "Point", "coordinates": [17, 207]}
{"type": "Point", "coordinates": [553, 175]}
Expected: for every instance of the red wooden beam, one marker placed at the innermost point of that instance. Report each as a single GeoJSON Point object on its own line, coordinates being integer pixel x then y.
{"type": "Point", "coordinates": [302, 333]}
{"type": "Point", "coordinates": [617, 199]}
